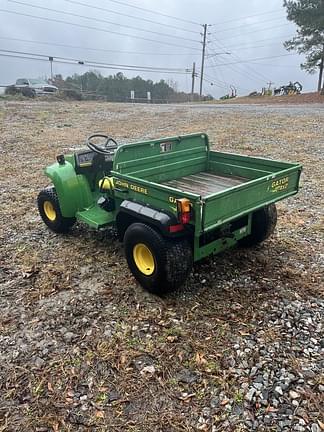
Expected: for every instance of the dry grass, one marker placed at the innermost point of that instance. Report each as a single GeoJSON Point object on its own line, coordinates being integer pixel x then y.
{"type": "Point", "coordinates": [53, 285]}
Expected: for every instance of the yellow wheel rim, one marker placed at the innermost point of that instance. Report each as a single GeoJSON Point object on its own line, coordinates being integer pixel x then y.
{"type": "Point", "coordinates": [49, 210]}
{"type": "Point", "coordinates": [144, 259]}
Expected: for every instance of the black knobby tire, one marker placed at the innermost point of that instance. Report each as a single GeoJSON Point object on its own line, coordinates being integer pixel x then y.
{"type": "Point", "coordinates": [59, 223]}
{"type": "Point", "coordinates": [172, 258]}
{"type": "Point", "coordinates": [263, 224]}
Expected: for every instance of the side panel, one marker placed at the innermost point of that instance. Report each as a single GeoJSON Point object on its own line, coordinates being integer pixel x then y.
{"type": "Point", "coordinates": [251, 167]}
{"type": "Point", "coordinates": [162, 160]}
{"type": "Point", "coordinates": [247, 197]}
{"type": "Point", "coordinates": [73, 190]}
{"type": "Point", "coordinates": [147, 193]}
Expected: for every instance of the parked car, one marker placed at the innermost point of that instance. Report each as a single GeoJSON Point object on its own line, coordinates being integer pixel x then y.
{"type": "Point", "coordinates": [32, 87]}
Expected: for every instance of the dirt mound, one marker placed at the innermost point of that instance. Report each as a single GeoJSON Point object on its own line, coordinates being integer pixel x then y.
{"type": "Point", "coordinates": [304, 98]}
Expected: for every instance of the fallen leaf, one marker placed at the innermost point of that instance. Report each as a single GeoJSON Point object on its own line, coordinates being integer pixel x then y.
{"type": "Point", "coordinates": [321, 425]}
{"type": "Point", "coordinates": [200, 360]}
{"type": "Point", "coordinates": [49, 386]}
{"type": "Point", "coordinates": [100, 414]}
{"type": "Point", "coordinates": [103, 389]}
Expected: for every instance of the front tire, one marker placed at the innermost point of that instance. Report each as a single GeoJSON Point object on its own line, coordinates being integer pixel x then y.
{"type": "Point", "coordinates": [264, 222]}
{"type": "Point", "coordinates": [160, 265]}
{"type": "Point", "coordinates": [50, 212]}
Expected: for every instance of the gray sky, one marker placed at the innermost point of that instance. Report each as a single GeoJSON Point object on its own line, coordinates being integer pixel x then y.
{"type": "Point", "coordinates": [249, 30]}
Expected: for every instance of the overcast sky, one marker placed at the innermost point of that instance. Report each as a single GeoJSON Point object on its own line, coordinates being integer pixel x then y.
{"type": "Point", "coordinates": [251, 31]}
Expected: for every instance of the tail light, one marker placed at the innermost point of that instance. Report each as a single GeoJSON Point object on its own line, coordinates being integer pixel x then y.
{"type": "Point", "coordinates": [184, 210]}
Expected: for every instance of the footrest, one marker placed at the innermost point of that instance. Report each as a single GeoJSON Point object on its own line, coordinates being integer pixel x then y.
{"type": "Point", "coordinates": [95, 217]}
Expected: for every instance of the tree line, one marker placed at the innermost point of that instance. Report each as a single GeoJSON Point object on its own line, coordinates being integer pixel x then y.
{"type": "Point", "coordinates": [118, 88]}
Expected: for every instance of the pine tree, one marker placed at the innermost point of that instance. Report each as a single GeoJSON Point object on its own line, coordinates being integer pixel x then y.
{"type": "Point", "coordinates": [308, 15]}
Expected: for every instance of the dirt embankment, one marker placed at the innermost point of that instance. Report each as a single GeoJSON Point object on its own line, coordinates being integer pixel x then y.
{"type": "Point", "coordinates": [304, 98]}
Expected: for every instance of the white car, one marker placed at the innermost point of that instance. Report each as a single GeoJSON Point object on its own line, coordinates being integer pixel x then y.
{"type": "Point", "coordinates": [35, 86]}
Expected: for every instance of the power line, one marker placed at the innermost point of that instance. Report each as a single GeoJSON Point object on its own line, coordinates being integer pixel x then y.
{"type": "Point", "coordinates": [255, 47]}
{"type": "Point", "coordinates": [249, 16]}
{"type": "Point", "coordinates": [96, 29]}
{"type": "Point", "coordinates": [95, 62]}
{"type": "Point", "coordinates": [244, 25]}
{"type": "Point", "coordinates": [130, 16]}
{"type": "Point", "coordinates": [102, 21]}
{"type": "Point", "coordinates": [98, 49]}
{"type": "Point", "coordinates": [228, 84]}
{"type": "Point", "coordinates": [274, 65]}
{"type": "Point", "coordinates": [239, 72]}
{"type": "Point", "coordinates": [256, 74]}
{"type": "Point", "coordinates": [255, 31]}
{"type": "Point", "coordinates": [256, 59]}
{"type": "Point", "coordinates": [214, 83]}
{"type": "Point", "coordinates": [154, 12]}
{"type": "Point", "coordinates": [248, 72]}
{"type": "Point", "coordinates": [261, 40]}
{"type": "Point", "coordinates": [90, 64]}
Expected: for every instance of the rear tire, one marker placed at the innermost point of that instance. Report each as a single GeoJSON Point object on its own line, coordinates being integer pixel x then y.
{"type": "Point", "coordinates": [263, 224]}
{"type": "Point", "coordinates": [50, 212]}
{"type": "Point", "coordinates": [160, 265]}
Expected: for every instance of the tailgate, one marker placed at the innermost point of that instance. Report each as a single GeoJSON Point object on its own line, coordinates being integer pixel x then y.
{"type": "Point", "coordinates": [247, 197]}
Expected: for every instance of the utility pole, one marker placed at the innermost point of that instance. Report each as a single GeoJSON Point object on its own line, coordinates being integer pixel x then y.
{"type": "Point", "coordinates": [51, 63]}
{"type": "Point", "coordinates": [193, 80]}
{"type": "Point", "coordinates": [203, 59]}
{"type": "Point", "coordinates": [321, 67]}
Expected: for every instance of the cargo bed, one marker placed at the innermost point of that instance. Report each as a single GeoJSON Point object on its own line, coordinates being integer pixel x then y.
{"type": "Point", "coordinates": [224, 189]}
{"type": "Point", "coordinates": [205, 183]}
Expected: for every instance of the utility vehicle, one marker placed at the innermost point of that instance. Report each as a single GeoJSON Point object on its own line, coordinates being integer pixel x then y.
{"type": "Point", "coordinates": [173, 201]}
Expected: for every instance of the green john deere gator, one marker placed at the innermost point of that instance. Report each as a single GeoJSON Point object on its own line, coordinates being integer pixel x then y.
{"type": "Point", "coordinates": [173, 201]}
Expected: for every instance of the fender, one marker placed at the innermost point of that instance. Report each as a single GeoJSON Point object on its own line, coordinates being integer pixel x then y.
{"type": "Point", "coordinates": [72, 189]}
{"type": "Point", "coordinates": [142, 213]}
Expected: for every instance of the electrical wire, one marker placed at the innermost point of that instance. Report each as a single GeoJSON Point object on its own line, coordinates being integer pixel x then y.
{"type": "Point", "coordinates": [256, 47]}
{"type": "Point", "coordinates": [245, 25]}
{"type": "Point", "coordinates": [212, 82]}
{"type": "Point", "coordinates": [102, 21]}
{"type": "Point", "coordinates": [95, 62]}
{"type": "Point", "coordinates": [246, 17]}
{"type": "Point", "coordinates": [154, 12]}
{"type": "Point", "coordinates": [274, 65]}
{"type": "Point", "coordinates": [235, 70]}
{"type": "Point", "coordinates": [255, 31]}
{"type": "Point", "coordinates": [260, 40]}
{"type": "Point", "coordinates": [256, 59]}
{"type": "Point", "coordinates": [95, 65]}
{"type": "Point", "coordinates": [98, 49]}
{"type": "Point", "coordinates": [259, 76]}
{"type": "Point", "coordinates": [130, 16]}
{"type": "Point", "coordinates": [96, 29]}
{"type": "Point", "coordinates": [251, 74]}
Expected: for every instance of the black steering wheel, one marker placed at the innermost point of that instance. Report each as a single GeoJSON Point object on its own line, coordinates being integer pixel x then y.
{"type": "Point", "coordinates": [104, 149]}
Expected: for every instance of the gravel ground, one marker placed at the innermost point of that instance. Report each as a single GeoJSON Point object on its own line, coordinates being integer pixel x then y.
{"type": "Point", "coordinates": [84, 348]}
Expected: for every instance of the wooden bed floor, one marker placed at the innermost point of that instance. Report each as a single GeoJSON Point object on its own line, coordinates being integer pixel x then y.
{"type": "Point", "coordinates": [205, 183]}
